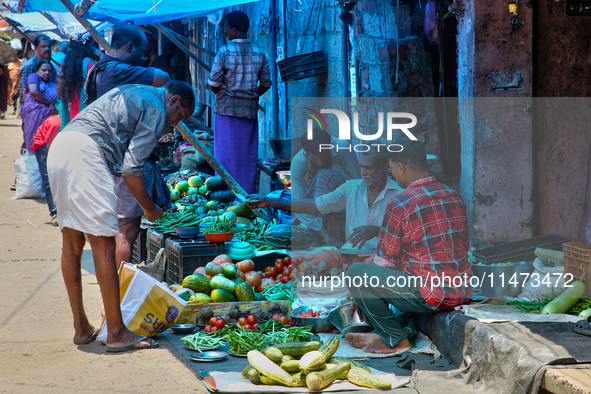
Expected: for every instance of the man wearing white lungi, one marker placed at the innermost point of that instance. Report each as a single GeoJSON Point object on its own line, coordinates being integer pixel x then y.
{"type": "Point", "coordinates": [113, 136]}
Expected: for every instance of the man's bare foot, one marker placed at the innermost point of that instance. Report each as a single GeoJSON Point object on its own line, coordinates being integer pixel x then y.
{"type": "Point", "coordinates": [359, 340]}
{"type": "Point", "coordinates": [380, 347]}
{"type": "Point", "coordinates": [126, 338]}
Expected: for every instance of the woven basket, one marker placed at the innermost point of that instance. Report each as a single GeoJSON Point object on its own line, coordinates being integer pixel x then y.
{"type": "Point", "coordinates": [157, 268]}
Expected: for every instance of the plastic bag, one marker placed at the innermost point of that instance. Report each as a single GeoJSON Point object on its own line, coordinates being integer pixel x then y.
{"type": "Point", "coordinates": [543, 282]}
{"type": "Point", "coordinates": [147, 306]}
{"type": "Point", "coordinates": [28, 177]}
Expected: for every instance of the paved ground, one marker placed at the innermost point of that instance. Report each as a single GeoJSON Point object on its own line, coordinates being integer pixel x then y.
{"type": "Point", "coordinates": [37, 354]}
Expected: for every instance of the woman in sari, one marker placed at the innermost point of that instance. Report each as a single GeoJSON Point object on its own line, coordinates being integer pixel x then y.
{"type": "Point", "coordinates": [40, 97]}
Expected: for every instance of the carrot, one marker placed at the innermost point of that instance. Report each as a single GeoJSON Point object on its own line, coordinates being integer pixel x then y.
{"type": "Point", "coordinates": [310, 312]}
{"type": "Point", "coordinates": [317, 314]}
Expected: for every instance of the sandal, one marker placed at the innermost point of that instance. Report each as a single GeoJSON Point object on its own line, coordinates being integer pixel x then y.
{"type": "Point", "coordinates": [583, 327]}
{"type": "Point", "coordinates": [54, 221]}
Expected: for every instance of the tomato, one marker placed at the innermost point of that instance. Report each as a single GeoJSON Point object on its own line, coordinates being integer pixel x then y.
{"type": "Point", "coordinates": [291, 324]}
{"type": "Point", "coordinates": [248, 327]}
{"type": "Point", "coordinates": [277, 316]}
{"type": "Point", "coordinates": [264, 275]}
{"type": "Point", "coordinates": [273, 272]}
{"type": "Point", "coordinates": [214, 329]}
{"type": "Point", "coordinates": [242, 321]}
{"type": "Point", "coordinates": [292, 277]}
{"type": "Point", "coordinates": [278, 261]}
{"type": "Point", "coordinates": [207, 329]}
{"type": "Point", "coordinates": [284, 320]}
{"type": "Point", "coordinates": [213, 321]}
{"type": "Point", "coordinates": [251, 320]}
{"type": "Point", "coordinates": [284, 279]}
{"type": "Point", "coordinates": [279, 266]}
{"type": "Point", "coordinates": [268, 270]}
{"type": "Point", "coordinates": [220, 323]}
{"type": "Point", "coordinates": [287, 260]}
{"type": "Point", "coordinates": [255, 326]}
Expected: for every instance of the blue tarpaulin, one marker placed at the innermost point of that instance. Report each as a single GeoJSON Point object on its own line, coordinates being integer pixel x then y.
{"type": "Point", "coordinates": [66, 23]}
{"type": "Point", "coordinates": [139, 12]}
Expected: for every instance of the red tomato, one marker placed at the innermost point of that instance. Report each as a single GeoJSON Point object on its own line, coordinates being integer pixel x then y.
{"type": "Point", "coordinates": [278, 261]}
{"type": "Point", "coordinates": [242, 321]}
{"type": "Point", "coordinates": [273, 272]}
{"type": "Point", "coordinates": [248, 327]}
{"type": "Point", "coordinates": [264, 275]}
{"type": "Point", "coordinates": [279, 266]}
{"type": "Point", "coordinates": [255, 326]}
{"type": "Point", "coordinates": [287, 260]}
{"type": "Point", "coordinates": [220, 324]}
{"type": "Point", "coordinates": [292, 277]}
{"type": "Point", "coordinates": [207, 329]}
{"type": "Point", "coordinates": [213, 321]}
{"type": "Point", "coordinates": [286, 271]}
{"type": "Point", "coordinates": [268, 270]}
{"type": "Point", "coordinates": [252, 320]}
{"type": "Point", "coordinates": [284, 279]}
{"type": "Point", "coordinates": [291, 324]}
{"type": "Point", "coordinates": [214, 329]}
{"type": "Point", "coordinates": [276, 316]}
{"type": "Point", "coordinates": [284, 320]}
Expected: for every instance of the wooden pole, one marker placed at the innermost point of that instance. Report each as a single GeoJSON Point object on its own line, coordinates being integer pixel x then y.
{"type": "Point", "coordinates": [188, 42]}
{"type": "Point", "coordinates": [201, 125]}
{"type": "Point", "coordinates": [181, 46]}
{"type": "Point", "coordinates": [88, 26]}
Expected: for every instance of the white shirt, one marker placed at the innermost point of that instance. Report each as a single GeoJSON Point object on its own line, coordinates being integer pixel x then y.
{"type": "Point", "coordinates": [352, 198]}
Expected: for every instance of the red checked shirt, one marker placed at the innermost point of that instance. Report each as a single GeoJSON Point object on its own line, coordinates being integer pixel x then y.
{"type": "Point", "coordinates": [425, 233]}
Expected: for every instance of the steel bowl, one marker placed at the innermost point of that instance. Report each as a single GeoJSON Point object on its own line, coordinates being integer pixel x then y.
{"type": "Point", "coordinates": [187, 232]}
{"type": "Point", "coordinates": [341, 320]}
{"type": "Point", "coordinates": [319, 324]}
{"type": "Point", "coordinates": [183, 329]}
{"type": "Point", "coordinates": [284, 177]}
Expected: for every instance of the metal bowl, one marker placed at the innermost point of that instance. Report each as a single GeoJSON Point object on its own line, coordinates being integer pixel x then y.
{"type": "Point", "coordinates": [284, 177]}
{"type": "Point", "coordinates": [319, 324]}
{"type": "Point", "coordinates": [341, 320]}
{"type": "Point", "coordinates": [187, 232]}
{"type": "Point", "coordinates": [184, 329]}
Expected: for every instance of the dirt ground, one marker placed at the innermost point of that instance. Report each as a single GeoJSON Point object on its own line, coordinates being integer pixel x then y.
{"type": "Point", "coordinates": [36, 352]}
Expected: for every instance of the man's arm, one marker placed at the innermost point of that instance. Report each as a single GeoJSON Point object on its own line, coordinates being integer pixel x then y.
{"type": "Point", "coordinates": [301, 206]}
{"type": "Point", "coordinates": [160, 78]}
{"type": "Point", "coordinates": [216, 74]}
{"type": "Point", "coordinates": [135, 185]}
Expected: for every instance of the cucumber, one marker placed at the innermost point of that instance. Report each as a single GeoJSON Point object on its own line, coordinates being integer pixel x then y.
{"type": "Point", "coordinates": [585, 314]}
{"type": "Point", "coordinates": [566, 300]}
{"type": "Point", "coordinates": [550, 254]}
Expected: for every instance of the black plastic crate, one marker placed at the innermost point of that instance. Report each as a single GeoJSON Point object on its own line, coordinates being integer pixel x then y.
{"type": "Point", "coordinates": [183, 257]}
{"type": "Point", "coordinates": [522, 250]}
{"type": "Point", "coordinates": [154, 242]}
{"type": "Point", "coordinates": [139, 252]}
{"type": "Point", "coordinates": [303, 66]}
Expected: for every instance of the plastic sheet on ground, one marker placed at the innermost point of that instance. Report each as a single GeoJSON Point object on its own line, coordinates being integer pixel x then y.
{"type": "Point", "coordinates": [424, 346]}
{"type": "Point", "coordinates": [234, 382]}
{"type": "Point", "coordinates": [492, 313]}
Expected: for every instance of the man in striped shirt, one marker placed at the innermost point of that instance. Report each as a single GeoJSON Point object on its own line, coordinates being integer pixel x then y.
{"type": "Point", "coordinates": [239, 76]}
{"type": "Point", "coordinates": [422, 262]}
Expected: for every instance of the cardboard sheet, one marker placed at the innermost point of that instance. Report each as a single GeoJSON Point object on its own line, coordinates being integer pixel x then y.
{"type": "Point", "coordinates": [491, 313]}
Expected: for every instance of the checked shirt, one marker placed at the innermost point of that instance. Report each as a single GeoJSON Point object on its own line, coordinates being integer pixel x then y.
{"type": "Point", "coordinates": [425, 233]}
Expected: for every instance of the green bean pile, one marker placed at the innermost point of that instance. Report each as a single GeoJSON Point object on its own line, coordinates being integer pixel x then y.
{"type": "Point", "coordinates": [254, 234]}
{"type": "Point", "coordinates": [270, 333]}
{"type": "Point", "coordinates": [201, 342]}
{"type": "Point", "coordinates": [537, 306]}
{"type": "Point", "coordinates": [220, 225]}
{"type": "Point", "coordinates": [168, 222]}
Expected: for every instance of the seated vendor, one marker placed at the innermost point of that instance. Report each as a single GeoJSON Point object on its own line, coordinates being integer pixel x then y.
{"type": "Point", "coordinates": [315, 172]}
{"type": "Point", "coordinates": [364, 200]}
{"type": "Point", "coordinates": [423, 242]}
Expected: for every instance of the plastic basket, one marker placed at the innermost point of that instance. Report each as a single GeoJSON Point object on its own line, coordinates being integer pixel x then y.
{"type": "Point", "coordinates": [522, 250]}
{"type": "Point", "coordinates": [159, 268]}
{"type": "Point", "coordinates": [139, 252]}
{"type": "Point", "coordinates": [303, 66]}
{"type": "Point", "coordinates": [185, 256]}
{"type": "Point", "coordinates": [577, 261]}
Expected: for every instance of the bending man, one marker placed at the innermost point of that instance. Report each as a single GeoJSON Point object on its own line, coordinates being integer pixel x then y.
{"type": "Point", "coordinates": [113, 136]}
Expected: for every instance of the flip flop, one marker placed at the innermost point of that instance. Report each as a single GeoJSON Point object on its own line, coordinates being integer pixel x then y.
{"type": "Point", "coordinates": [90, 339]}
{"type": "Point", "coordinates": [133, 345]}
{"type": "Point", "coordinates": [583, 327]}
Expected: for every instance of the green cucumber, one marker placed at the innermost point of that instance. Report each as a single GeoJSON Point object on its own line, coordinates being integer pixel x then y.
{"type": "Point", "coordinates": [566, 300]}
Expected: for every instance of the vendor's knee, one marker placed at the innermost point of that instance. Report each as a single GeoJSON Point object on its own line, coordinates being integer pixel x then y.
{"type": "Point", "coordinates": [356, 269]}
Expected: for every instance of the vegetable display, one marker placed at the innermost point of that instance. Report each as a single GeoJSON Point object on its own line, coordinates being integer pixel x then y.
{"type": "Point", "coordinates": [565, 301]}
{"type": "Point", "coordinates": [220, 225]}
{"type": "Point", "coordinates": [202, 342]}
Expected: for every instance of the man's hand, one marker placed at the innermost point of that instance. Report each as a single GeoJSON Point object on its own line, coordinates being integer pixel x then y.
{"type": "Point", "coordinates": [153, 213]}
{"type": "Point", "coordinates": [355, 308]}
{"type": "Point", "coordinates": [257, 201]}
{"type": "Point", "coordinates": [329, 239]}
{"type": "Point", "coordinates": [363, 234]}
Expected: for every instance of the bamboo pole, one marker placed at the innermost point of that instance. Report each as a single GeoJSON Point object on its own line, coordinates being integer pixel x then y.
{"type": "Point", "coordinates": [88, 26]}
{"type": "Point", "coordinates": [181, 46]}
{"type": "Point", "coordinates": [188, 42]}
{"type": "Point", "coordinates": [201, 125]}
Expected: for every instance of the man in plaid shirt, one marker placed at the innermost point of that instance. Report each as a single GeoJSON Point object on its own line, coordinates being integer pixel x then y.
{"type": "Point", "coordinates": [239, 76]}
{"type": "Point", "coordinates": [422, 262]}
